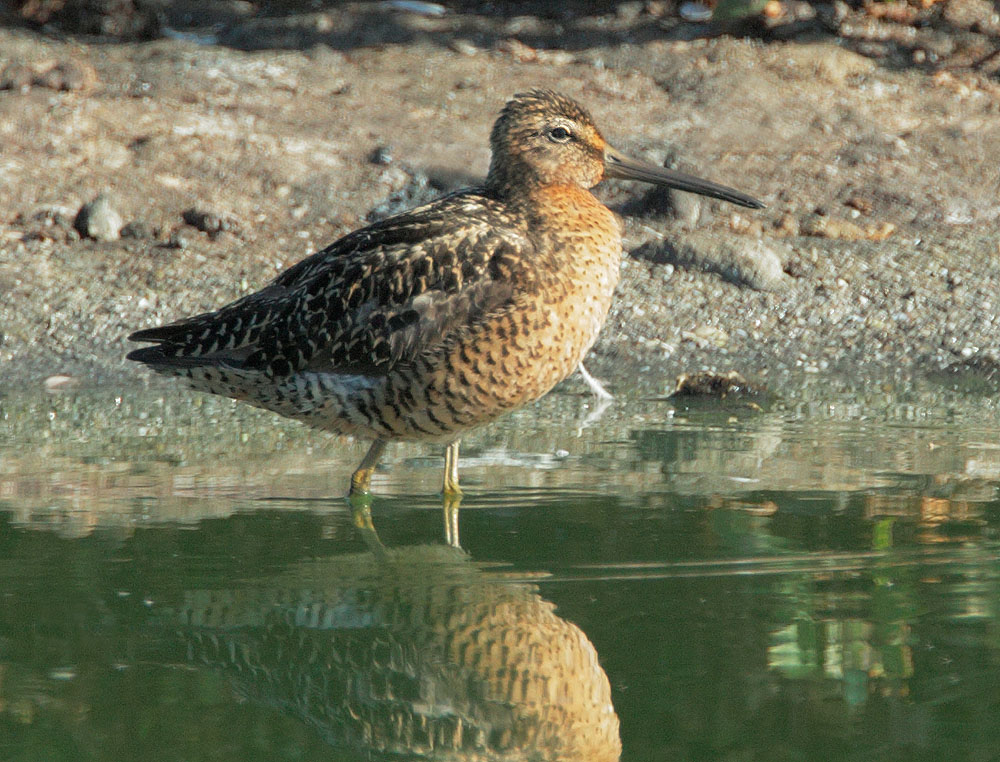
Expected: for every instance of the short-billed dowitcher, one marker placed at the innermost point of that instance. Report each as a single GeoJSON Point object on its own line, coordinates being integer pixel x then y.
{"type": "Point", "coordinates": [427, 324]}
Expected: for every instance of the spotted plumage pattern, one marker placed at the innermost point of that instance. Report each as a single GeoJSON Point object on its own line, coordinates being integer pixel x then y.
{"type": "Point", "coordinates": [363, 304]}
{"type": "Point", "coordinates": [440, 319]}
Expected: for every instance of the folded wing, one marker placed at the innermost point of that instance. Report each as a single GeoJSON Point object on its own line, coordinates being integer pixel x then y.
{"type": "Point", "coordinates": [373, 299]}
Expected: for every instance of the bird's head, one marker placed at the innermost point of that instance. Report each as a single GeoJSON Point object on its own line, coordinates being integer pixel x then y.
{"type": "Point", "coordinates": [545, 138]}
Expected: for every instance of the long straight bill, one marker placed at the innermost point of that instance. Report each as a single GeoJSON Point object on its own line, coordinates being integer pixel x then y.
{"type": "Point", "coordinates": [619, 165]}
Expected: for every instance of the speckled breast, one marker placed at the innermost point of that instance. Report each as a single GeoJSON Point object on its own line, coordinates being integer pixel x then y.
{"type": "Point", "coordinates": [520, 353]}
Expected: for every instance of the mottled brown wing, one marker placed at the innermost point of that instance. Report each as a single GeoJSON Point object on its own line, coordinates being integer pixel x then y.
{"type": "Point", "coordinates": [374, 298]}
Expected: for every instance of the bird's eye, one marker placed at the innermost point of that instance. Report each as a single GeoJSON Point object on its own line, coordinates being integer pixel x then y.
{"type": "Point", "coordinates": [560, 134]}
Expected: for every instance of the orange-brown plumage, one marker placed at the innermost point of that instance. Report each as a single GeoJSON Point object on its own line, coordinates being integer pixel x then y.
{"type": "Point", "coordinates": [429, 323]}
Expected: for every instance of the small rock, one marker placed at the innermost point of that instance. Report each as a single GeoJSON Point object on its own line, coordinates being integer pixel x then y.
{"type": "Point", "coordinates": [845, 230]}
{"type": "Point", "coordinates": [629, 12]}
{"type": "Point", "coordinates": [773, 9]}
{"type": "Point", "coordinates": [706, 335]}
{"type": "Point", "coordinates": [975, 15]}
{"type": "Point", "coordinates": [56, 225]}
{"type": "Point", "coordinates": [210, 222]}
{"type": "Point", "coordinates": [862, 205]}
{"type": "Point", "coordinates": [177, 240]}
{"type": "Point", "coordinates": [97, 219]}
{"type": "Point", "coordinates": [695, 12]}
{"type": "Point", "coordinates": [740, 10]}
{"type": "Point", "coordinates": [555, 57]}
{"type": "Point", "coordinates": [381, 155]}
{"type": "Point", "coordinates": [55, 75]}
{"type": "Point", "coordinates": [712, 384]}
{"type": "Point", "coordinates": [61, 383]}
{"type": "Point", "coordinates": [464, 47]}
{"type": "Point", "coordinates": [879, 232]}
{"type": "Point", "coordinates": [16, 76]}
{"type": "Point", "coordinates": [417, 6]}
{"type": "Point", "coordinates": [136, 229]}
{"type": "Point", "coordinates": [518, 50]}
{"type": "Point", "coordinates": [67, 75]}
{"type": "Point", "coordinates": [684, 207]}
{"type": "Point", "coordinates": [657, 8]}
{"type": "Point", "coordinates": [898, 13]}
{"type": "Point", "coordinates": [749, 263]}
{"type": "Point", "coordinates": [787, 224]}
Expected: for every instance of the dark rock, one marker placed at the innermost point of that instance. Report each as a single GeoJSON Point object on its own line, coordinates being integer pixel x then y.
{"type": "Point", "coordinates": [716, 385]}
{"type": "Point", "coordinates": [121, 19]}
{"type": "Point", "coordinates": [381, 155]}
{"type": "Point", "coordinates": [136, 229]}
{"type": "Point", "coordinates": [210, 222]}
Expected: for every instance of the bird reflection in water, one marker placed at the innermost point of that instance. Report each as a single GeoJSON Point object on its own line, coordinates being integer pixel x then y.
{"type": "Point", "coordinates": [410, 653]}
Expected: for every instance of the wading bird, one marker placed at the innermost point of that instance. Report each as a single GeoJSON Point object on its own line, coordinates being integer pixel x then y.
{"type": "Point", "coordinates": [430, 323]}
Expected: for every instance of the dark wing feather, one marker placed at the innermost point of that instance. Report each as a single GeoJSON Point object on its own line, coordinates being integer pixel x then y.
{"type": "Point", "coordinates": [375, 298]}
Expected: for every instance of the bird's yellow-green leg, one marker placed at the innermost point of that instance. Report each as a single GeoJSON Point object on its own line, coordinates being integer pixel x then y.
{"type": "Point", "coordinates": [450, 487]}
{"type": "Point", "coordinates": [452, 494]}
{"type": "Point", "coordinates": [361, 479]}
{"type": "Point", "coordinates": [360, 498]}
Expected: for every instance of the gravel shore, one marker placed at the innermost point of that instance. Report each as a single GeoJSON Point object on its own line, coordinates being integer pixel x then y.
{"type": "Point", "coordinates": [225, 151]}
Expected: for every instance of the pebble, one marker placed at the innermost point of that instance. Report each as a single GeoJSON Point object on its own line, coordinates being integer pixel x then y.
{"type": "Point", "coordinates": [61, 383]}
{"type": "Point", "coordinates": [67, 75]}
{"type": "Point", "coordinates": [136, 229]}
{"type": "Point", "coordinates": [99, 220]}
{"type": "Point", "coordinates": [464, 47]}
{"type": "Point", "coordinates": [685, 207]}
{"type": "Point", "coordinates": [527, 54]}
{"type": "Point", "coordinates": [787, 225]}
{"type": "Point", "coordinates": [695, 12]}
{"type": "Point", "coordinates": [381, 155]}
{"type": "Point", "coordinates": [60, 75]}
{"type": "Point", "coordinates": [418, 7]}
{"type": "Point", "coordinates": [712, 384]}
{"type": "Point", "coordinates": [845, 230]}
{"type": "Point", "coordinates": [16, 76]}
{"type": "Point", "coordinates": [750, 263]}
{"type": "Point", "coordinates": [177, 240]}
{"type": "Point", "coordinates": [208, 221]}
{"type": "Point", "coordinates": [973, 15]}
{"type": "Point", "coordinates": [705, 335]}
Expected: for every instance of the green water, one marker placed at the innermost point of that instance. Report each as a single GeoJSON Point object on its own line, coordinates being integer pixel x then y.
{"type": "Point", "coordinates": [180, 580]}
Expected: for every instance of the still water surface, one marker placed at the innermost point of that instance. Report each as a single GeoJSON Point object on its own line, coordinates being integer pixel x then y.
{"type": "Point", "coordinates": [180, 580]}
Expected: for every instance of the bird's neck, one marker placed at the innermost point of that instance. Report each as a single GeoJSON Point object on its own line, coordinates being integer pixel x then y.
{"type": "Point", "coordinates": [504, 182]}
